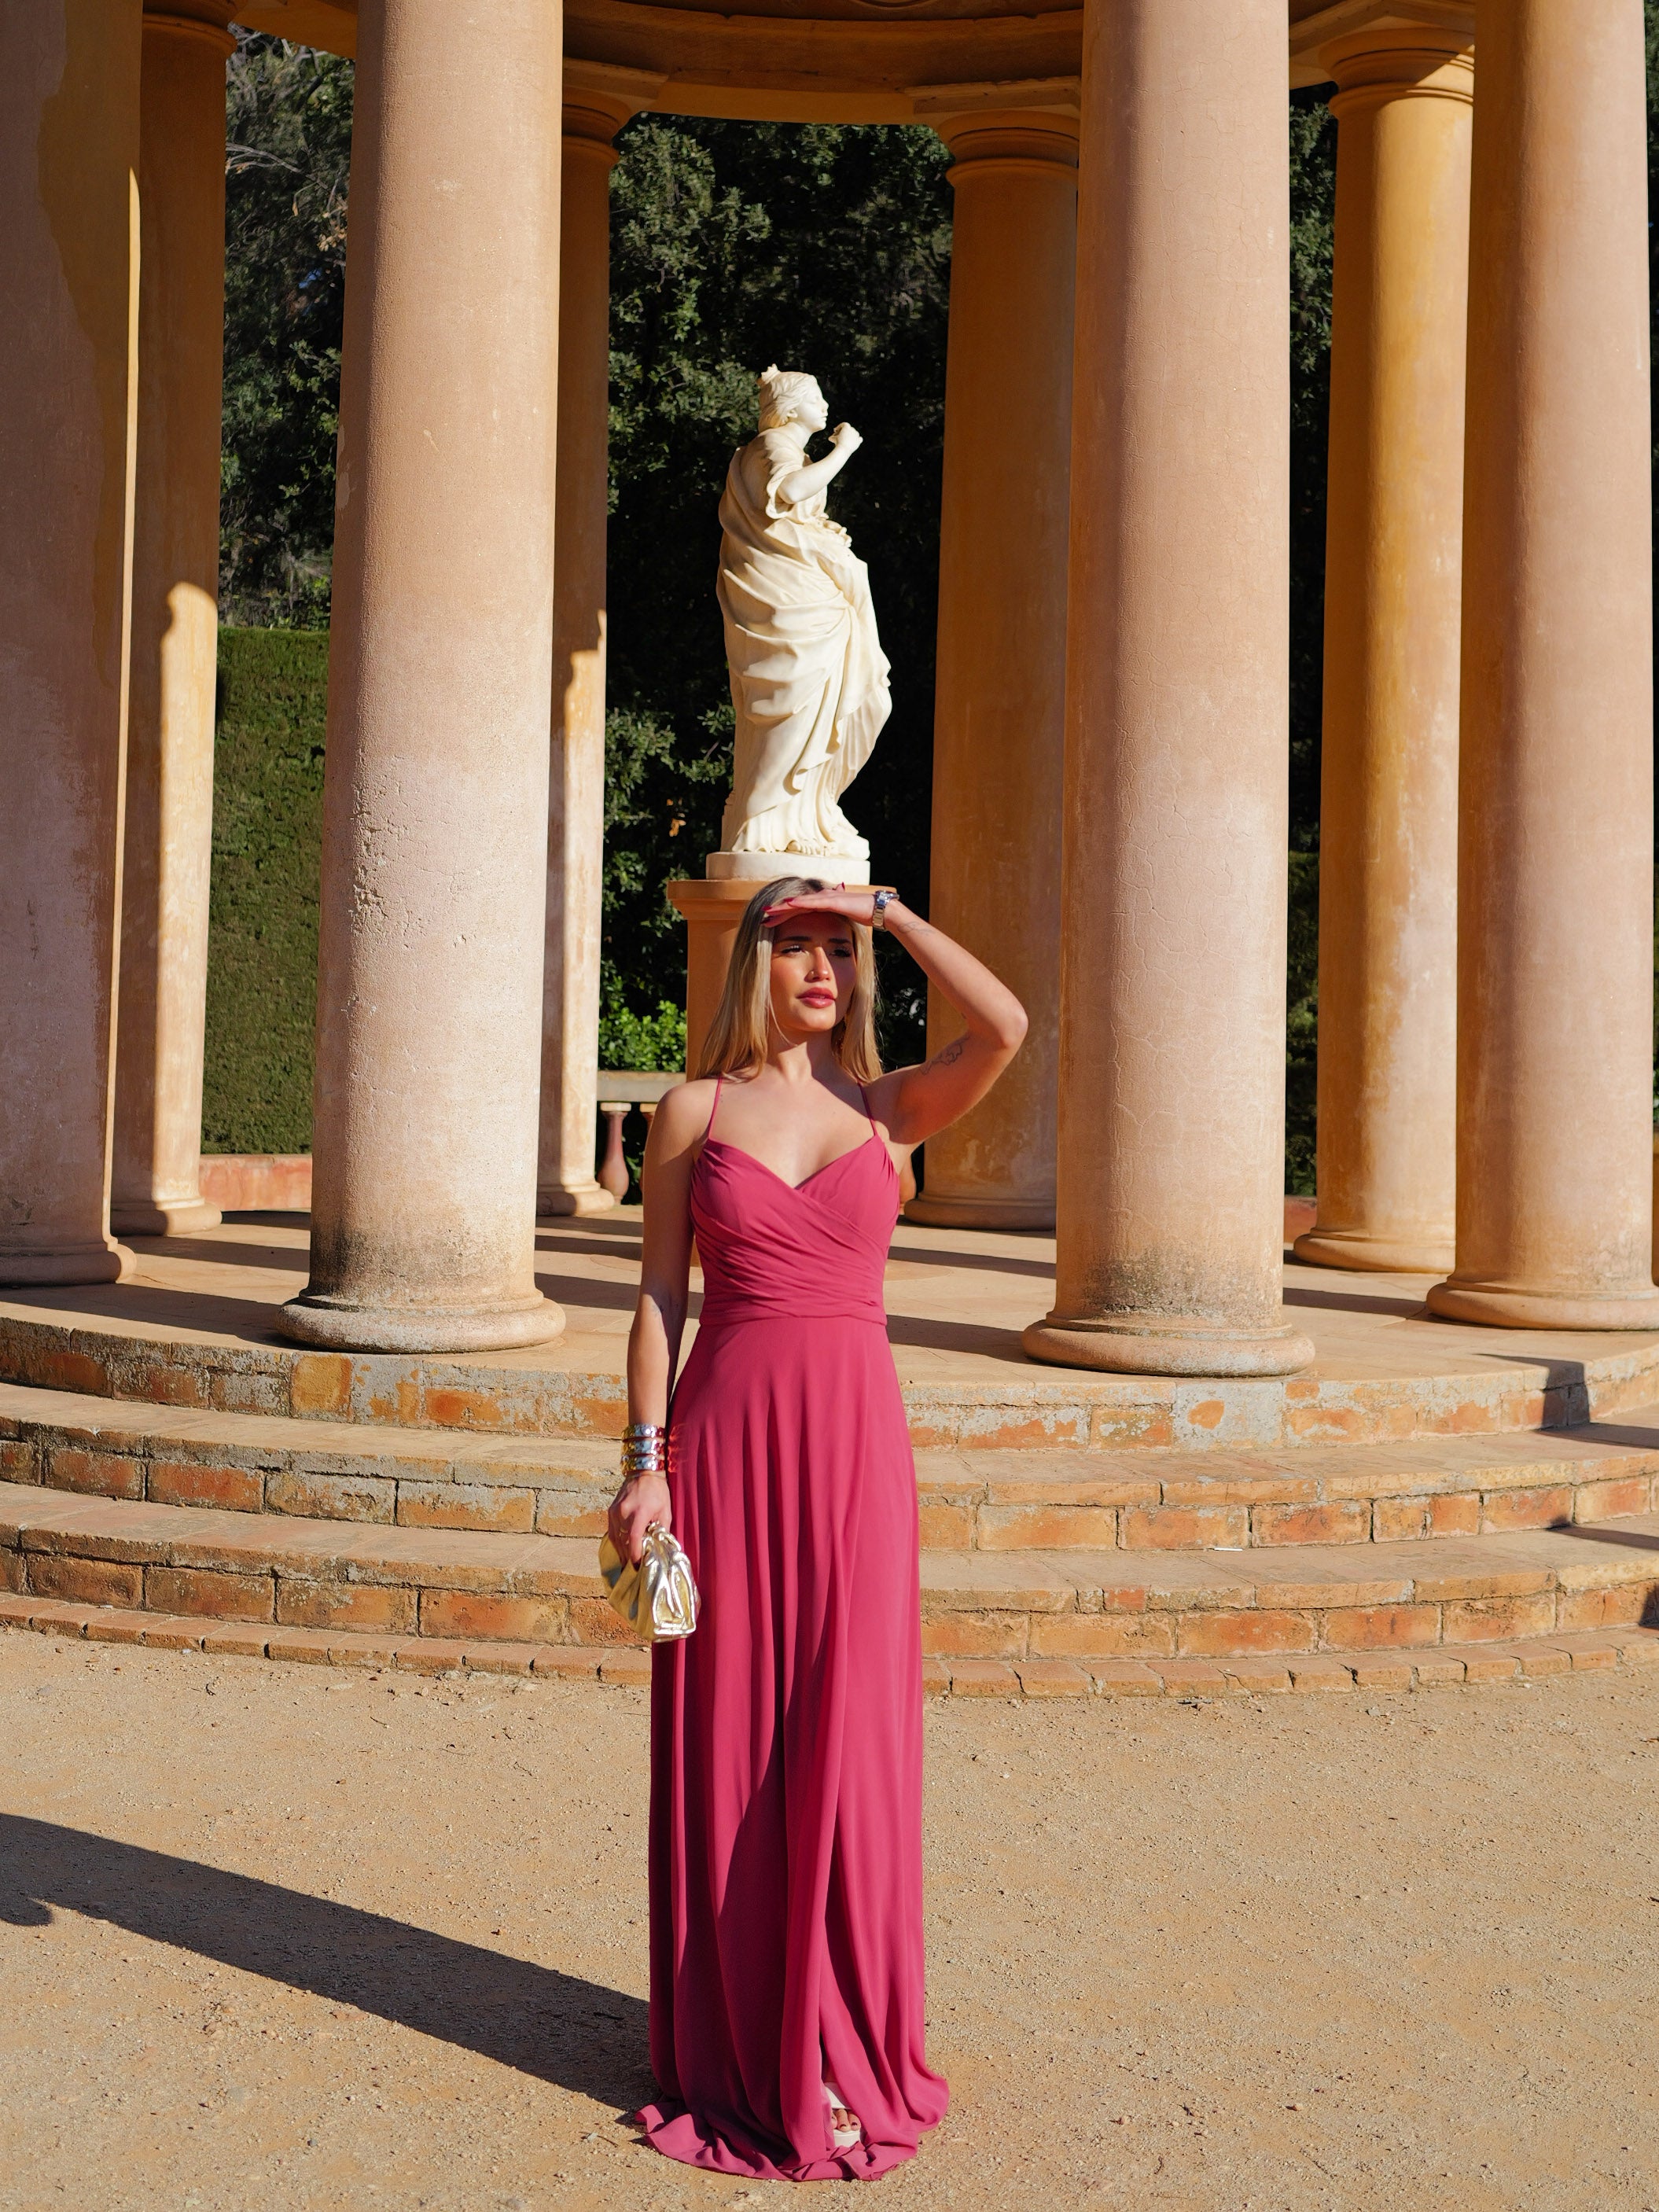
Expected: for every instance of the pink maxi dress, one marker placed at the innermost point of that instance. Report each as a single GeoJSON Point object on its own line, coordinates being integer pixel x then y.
{"type": "Point", "coordinates": [786, 1733]}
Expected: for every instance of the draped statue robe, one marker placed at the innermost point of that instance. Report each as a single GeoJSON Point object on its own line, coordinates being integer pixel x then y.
{"type": "Point", "coordinates": [809, 678]}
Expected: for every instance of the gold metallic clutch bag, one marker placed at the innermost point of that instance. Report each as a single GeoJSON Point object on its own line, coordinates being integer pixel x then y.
{"type": "Point", "coordinates": [658, 1599]}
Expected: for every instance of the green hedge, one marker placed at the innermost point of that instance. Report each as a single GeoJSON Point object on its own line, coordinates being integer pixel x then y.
{"type": "Point", "coordinates": [267, 843]}
{"type": "Point", "coordinates": [1301, 1022]}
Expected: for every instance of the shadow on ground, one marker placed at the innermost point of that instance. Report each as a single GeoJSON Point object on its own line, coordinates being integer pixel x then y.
{"type": "Point", "coordinates": [1334, 1301]}
{"type": "Point", "coordinates": [993, 1263]}
{"type": "Point", "coordinates": [553, 2025]}
{"type": "Point", "coordinates": [220, 1252]}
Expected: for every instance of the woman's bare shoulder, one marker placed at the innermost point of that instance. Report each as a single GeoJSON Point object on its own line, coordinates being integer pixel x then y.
{"type": "Point", "coordinates": [681, 1114]}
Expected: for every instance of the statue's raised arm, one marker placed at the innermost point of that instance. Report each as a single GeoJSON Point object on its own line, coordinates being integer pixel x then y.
{"type": "Point", "coordinates": [809, 678]}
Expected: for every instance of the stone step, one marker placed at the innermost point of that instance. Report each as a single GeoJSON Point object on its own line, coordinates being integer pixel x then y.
{"type": "Point", "coordinates": [1435, 1593]}
{"type": "Point", "coordinates": [966, 1385]}
{"type": "Point", "coordinates": [1131, 1500]}
{"type": "Point", "coordinates": [317, 1470]}
{"type": "Point", "coordinates": [302, 1573]}
{"type": "Point", "coordinates": [1174, 1500]}
{"type": "Point", "coordinates": [1527, 1662]}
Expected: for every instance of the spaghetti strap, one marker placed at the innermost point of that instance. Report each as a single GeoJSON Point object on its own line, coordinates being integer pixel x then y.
{"type": "Point", "coordinates": [868, 1115]}
{"type": "Point", "coordinates": [708, 1130]}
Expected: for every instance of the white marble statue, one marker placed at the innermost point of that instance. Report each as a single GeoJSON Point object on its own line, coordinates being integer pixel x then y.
{"type": "Point", "coordinates": [809, 678]}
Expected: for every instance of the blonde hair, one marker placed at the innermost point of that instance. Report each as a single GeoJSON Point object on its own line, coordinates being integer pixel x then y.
{"type": "Point", "coordinates": [738, 1037]}
{"type": "Point", "coordinates": [781, 391]}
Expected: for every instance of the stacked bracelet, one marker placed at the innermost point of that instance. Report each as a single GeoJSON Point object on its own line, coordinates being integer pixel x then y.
{"type": "Point", "coordinates": [645, 1449]}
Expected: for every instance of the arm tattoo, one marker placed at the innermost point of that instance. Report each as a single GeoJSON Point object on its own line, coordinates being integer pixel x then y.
{"type": "Point", "coordinates": [948, 1055]}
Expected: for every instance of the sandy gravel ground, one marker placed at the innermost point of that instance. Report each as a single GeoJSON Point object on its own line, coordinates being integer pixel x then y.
{"type": "Point", "coordinates": [273, 1937]}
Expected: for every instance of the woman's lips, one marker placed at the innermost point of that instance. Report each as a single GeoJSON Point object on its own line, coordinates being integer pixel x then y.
{"type": "Point", "coordinates": [817, 998]}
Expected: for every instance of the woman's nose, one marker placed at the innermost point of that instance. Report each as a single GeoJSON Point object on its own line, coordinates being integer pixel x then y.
{"type": "Point", "coordinates": [822, 970]}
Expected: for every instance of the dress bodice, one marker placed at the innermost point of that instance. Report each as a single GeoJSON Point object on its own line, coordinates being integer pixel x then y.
{"type": "Point", "coordinates": [773, 1250]}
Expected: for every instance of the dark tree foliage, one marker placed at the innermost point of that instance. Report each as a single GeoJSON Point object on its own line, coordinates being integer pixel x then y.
{"type": "Point", "coordinates": [734, 245]}
{"type": "Point", "coordinates": [289, 126]}
{"type": "Point", "coordinates": [1313, 199]}
{"type": "Point", "coordinates": [1650, 10]}
{"type": "Point", "coordinates": [1313, 196]}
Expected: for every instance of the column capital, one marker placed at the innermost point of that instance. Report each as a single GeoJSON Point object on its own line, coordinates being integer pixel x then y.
{"type": "Point", "coordinates": [1024, 123]}
{"type": "Point", "coordinates": [193, 19]}
{"type": "Point", "coordinates": [599, 97]}
{"type": "Point", "coordinates": [1020, 122]}
{"type": "Point", "coordinates": [1396, 61]}
{"type": "Point", "coordinates": [1321, 26]}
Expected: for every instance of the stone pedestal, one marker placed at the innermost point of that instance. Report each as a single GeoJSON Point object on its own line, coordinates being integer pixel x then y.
{"type": "Point", "coordinates": [1555, 855]}
{"type": "Point", "coordinates": [999, 723]}
{"type": "Point", "coordinates": [435, 810]}
{"type": "Point", "coordinates": [154, 1188]}
{"type": "Point", "coordinates": [1387, 836]}
{"type": "Point", "coordinates": [757, 868]}
{"type": "Point", "coordinates": [712, 912]}
{"type": "Point", "coordinates": [597, 103]}
{"type": "Point", "coordinates": [69, 274]}
{"type": "Point", "coordinates": [1170, 1148]}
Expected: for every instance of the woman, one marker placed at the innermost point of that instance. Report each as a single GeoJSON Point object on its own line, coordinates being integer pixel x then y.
{"type": "Point", "coordinates": [786, 2008]}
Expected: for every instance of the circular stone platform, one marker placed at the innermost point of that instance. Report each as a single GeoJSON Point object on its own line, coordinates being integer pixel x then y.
{"type": "Point", "coordinates": [1425, 1501]}
{"type": "Point", "coordinates": [195, 1326]}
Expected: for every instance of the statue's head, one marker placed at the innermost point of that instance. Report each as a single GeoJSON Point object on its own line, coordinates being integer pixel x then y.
{"type": "Point", "coordinates": [790, 395]}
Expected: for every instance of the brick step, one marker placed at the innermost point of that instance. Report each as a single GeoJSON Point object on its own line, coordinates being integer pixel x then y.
{"type": "Point", "coordinates": [302, 1573]}
{"type": "Point", "coordinates": [1141, 1499]}
{"type": "Point", "coordinates": [180, 1348]}
{"type": "Point", "coordinates": [317, 1470]}
{"type": "Point", "coordinates": [1174, 1500]}
{"type": "Point", "coordinates": [1435, 1593]}
{"type": "Point", "coordinates": [1529, 1660]}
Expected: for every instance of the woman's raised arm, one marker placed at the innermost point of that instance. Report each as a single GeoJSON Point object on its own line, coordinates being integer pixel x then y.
{"type": "Point", "coordinates": [915, 1102]}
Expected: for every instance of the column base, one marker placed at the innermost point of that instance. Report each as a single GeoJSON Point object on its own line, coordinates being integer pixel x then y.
{"type": "Point", "coordinates": [938, 1212]}
{"type": "Point", "coordinates": [1178, 1346]}
{"type": "Point", "coordinates": [1499, 1305]}
{"type": "Point", "coordinates": [345, 1327]}
{"type": "Point", "coordinates": [145, 1218]}
{"type": "Point", "coordinates": [586, 1197]}
{"type": "Point", "coordinates": [105, 1261]}
{"type": "Point", "coordinates": [1382, 1256]}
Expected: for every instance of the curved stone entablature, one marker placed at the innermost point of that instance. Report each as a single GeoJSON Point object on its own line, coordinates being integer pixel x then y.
{"type": "Point", "coordinates": [801, 69]}
{"type": "Point", "coordinates": [839, 60]}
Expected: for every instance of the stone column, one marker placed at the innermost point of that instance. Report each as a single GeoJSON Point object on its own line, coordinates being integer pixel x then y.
{"type": "Point", "coordinates": [69, 275]}
{"type": "Point", "coordinates": [998, 721]}
{"type": "Point", "coordinates": [597, 103]}
{"type": "Point", "coordinates": [1170, 1150]}
{"type": "Point", "coordinates": [175, 628]}
{"type": "Point", "coordinates": [434, 831]}
{"type": "Point", "coordinates": [712, 909]}
{"type": "Point", "coordinates": [1388, 833]}
{"type": "Point", "coordinates": [1555, 851]}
